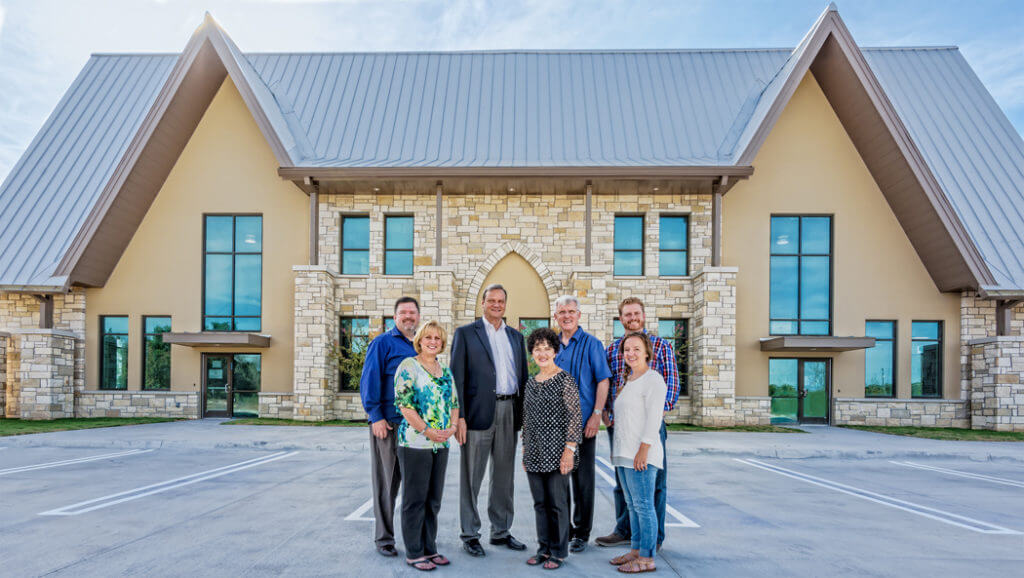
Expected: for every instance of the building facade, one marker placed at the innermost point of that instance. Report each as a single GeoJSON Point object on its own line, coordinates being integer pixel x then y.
{"type": "Point", "coordinates": [235, 221]}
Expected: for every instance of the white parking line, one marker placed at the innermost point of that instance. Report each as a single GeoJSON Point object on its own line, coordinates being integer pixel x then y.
{"type": "Point", "coordinates": [927, 512]}
{"type": "Point", "coordinates": [357, 516]}
{"type": "Point", "coordinates": [973, 476]}
{"type": "Point", "coordinates": [681, 520]}
{"type": "Point", "coordinates": [71, 462]}
{"type": "Point", "coordinates": [135, 494]}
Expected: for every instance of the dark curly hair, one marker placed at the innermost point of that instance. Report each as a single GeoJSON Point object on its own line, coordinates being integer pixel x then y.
{"type": "Point", "coordinates": [543, 334]}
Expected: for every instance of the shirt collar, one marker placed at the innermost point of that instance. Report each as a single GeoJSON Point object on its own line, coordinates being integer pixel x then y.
{"type": "Point", "coordinates": [491, 328]}
{"type": "Point", "coordinates": [394, 332]}
{"type": "Point", "coordinates": [577, 335]}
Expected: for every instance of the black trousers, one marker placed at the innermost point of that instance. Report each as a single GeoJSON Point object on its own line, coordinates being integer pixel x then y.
{"type": "Point", "coordinates": [422, 489]}
{"type": "Point", "coordinates": [550, 492]}
{"type": "Point", "coordinates": [583, 490]}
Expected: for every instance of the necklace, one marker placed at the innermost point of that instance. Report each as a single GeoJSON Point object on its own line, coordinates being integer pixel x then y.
{"type": "Point", "coordinates": [434, 367]}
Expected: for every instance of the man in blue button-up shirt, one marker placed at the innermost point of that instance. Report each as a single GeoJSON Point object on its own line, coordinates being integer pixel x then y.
{"type": "Point", "coordinates": [582, 355]}
{"type": "Point", "coordinates": [377, 390]}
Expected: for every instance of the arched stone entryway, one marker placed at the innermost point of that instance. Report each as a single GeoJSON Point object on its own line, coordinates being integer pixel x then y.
{"type": "Point", "coordinates": [532, 288]}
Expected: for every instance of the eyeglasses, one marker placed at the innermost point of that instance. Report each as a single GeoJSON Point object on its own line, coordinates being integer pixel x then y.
{"type": "Point", "coordinates": [567, 312]}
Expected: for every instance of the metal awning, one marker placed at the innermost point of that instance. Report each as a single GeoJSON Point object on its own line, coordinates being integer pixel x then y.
{"type": "Point", "coordinates": [218, 339]}
{"type": "Point", "coordinates": [815, 343]}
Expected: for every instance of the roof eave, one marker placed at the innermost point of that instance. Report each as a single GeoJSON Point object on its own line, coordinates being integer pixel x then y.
{"type": "Point", "coordinates": [604, 172]}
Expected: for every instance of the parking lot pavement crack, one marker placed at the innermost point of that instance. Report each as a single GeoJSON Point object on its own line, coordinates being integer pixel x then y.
{"type": "Point", "coordinates": [206, 513]}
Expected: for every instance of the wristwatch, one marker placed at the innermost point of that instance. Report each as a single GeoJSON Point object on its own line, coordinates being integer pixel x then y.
{"type": "Point", "coordinates": [569, 447]}
{"type": "Point", "coordinates": [597, 411]}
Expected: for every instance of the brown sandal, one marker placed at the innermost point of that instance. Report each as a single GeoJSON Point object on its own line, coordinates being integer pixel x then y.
{"type": "Point", "coordinates": [638, 566]}
{"type": "Point", "coordinates": [623, 559]}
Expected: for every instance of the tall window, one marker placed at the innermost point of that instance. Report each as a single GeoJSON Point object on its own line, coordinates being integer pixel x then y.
{"type": "Point", "coordinates": [232, 275]}
{"type": "Point", "coordinates": [355, 245]}
{"type": "Point", "coordinates": [354, 338]}
{"type": "Point", "coordinates": [114, 352]}
{"type": "Point", "coordinates": [618, 331]}
{"type": "Point", "coordinates": [880, 360]}
{"type": "Point", "coordinates": [801, 276]}
{"type": "Point", "coordinates": [629, 245]}
{"type": "Point", "coordinates": [397, 245]}
{"type": "Point", "coordinates": [673, 239]}
{"type": "Point", "coordinates": [675, 332]}
{"type": "Point", "coordinates": [156, 355]}
{"type": "Point", "coordinates": [926, 359]}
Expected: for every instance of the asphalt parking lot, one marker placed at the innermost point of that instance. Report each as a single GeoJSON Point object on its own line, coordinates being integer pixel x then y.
{"type": "Point", "coordinates": [201, 499]}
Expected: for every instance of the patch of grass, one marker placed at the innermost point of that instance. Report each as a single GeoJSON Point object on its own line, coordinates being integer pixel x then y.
{"type": "Point", "coordinates": [739, 428]}
{"type": "Point", "coordinates": [944, 433]}
{"type": "Point", "coordinates": [16, 427]}
{"type": "Point", "coordinates": [271, 421]}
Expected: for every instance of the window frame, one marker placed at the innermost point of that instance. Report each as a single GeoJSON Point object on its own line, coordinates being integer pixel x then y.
{"type": "Point", "coordinates": [895, 359]}
{"type": "Point", "coordinates": [341, 243]}
{"type": "Point", "coordinates": [682, 366]}
{"type": "Point", "coordinates": [103, 334]}
{"type": "Point", "coordinates": [369, 331]}
{"type": "Point", "coordinates": [799, 282]}
{"type": "Point", "coordinates": [145, 335]}
{"type": "Point", "coordinates": [642, 250]}
{"type": "Point", "coordinates": [411, 251]}
{"type": "Point", "coordinates": [233, 253]}
{"type": "Point", "coordinates": [686, 251]}
{"type": "Point", "coordinates": [940, 362]}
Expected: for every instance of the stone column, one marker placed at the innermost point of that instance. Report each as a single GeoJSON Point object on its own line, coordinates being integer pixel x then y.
{"type": "Point", "coordinates": [4, 339]}
{"type": "Point", "coordinates": [316, 328]}
{"type": "Point", "coordinates": [977, 321]}
{"type": "Point", "coordinates": [713, 391]}
{"type": "Point", "coordinates": [437, 295]}
{"type": "Point", "coordinates": [997, 383]}
{"type": "Point", "coordinates": [46, 373]}
{"type": "Point", "coordinates": [598, 306]}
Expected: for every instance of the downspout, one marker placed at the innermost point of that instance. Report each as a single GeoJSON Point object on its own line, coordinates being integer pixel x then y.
{"type": "Point", "coordinates": [314, 220]}
{"type": "Point", "coordinates": [717, 190]}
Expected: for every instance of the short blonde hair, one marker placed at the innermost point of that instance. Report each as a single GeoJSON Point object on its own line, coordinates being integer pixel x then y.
{"type": "Point", "coordinates": [422, 332]}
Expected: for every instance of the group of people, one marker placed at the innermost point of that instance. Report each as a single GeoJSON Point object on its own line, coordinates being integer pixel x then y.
{"type": "Point", "coordinates": [486, 397]}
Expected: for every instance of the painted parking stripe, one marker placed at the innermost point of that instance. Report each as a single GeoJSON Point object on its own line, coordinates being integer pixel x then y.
{"type": "Point", "coordinates": [135, 494]}
{"type": "Point", "coordinates": [927, 512]}
{"type": "Point", "coordinates": [71, 462]}
{"type": "Point", "coordinates": [962, 474]}
{"type": "Point", "coordinates": [358, 515]}
{"type": "Point", "coordinates": [681, 520]}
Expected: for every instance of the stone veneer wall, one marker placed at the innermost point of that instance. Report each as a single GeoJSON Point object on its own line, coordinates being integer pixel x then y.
{"type": "Point", "coordinates": [753, 410]}
{"type": "Point", "coordinates": [901, 412]}
{"type": "Point", "coordinates": [713, 393]}
{"type": "Point", "coordinates": [997, 388]}
{"type": "Point", "coordinates": [348, 405]}
{"type": "Point", "coordinates": [107, 403]}
{"type": "Point", "coordinates": [277, 405]}
{"type": "Point", "coordinates": [4, 337]}
{"type": "Point", "coordinates": [977, 320]}
{"type": "Point", "coordinates": [46, 374]}
{"type": "Point", "coordinates": [316, 328]}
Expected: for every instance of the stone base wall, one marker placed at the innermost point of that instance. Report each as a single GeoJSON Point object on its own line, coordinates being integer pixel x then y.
{"type": "Point", "coordinates": [997, 384]}
{"type": "Point", "coordinates": [753, 410]}
{"type": "Point", "coordinates": [681, 413]}
{"type": "Point", "coordinates": [46, 374]}
{"type": "Point", "coordinates": [348, 405]}
{"type": "Point", "coordinates": [277, 405]}
{"type": "Point", "coordinates": [178, 404]}
{"type": "Point", "coordinates": [901, 412]}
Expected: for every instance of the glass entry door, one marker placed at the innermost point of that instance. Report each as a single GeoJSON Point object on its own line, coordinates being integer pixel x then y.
{"type": "Point", "coordinates": [231, 385]}
{"type": "Point", "coordinates": [799, 389]}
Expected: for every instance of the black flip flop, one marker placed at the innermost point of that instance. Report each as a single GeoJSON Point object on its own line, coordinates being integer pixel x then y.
{"type": "Point", "coordinates": [439, 560]}
{"type": "Point", "coordinates": [538, 559]}
{"type": "Point", "coordinates": [557, 563]}
{"type": "Point", "coordinates": [415, 564]}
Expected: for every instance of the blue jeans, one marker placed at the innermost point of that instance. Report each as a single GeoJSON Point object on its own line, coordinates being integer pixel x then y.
{"type": "Point", "coordinates": [660, 494]}
{"type": "Point", "coordinates": [639, 489]}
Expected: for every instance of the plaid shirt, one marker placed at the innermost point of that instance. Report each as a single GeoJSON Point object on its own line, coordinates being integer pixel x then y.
{"type": "Point", "coordinates": [664, 363]}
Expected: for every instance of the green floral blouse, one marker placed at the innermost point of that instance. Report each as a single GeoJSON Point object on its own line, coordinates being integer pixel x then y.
{"type": "Point", "coordinates": [433, 398]}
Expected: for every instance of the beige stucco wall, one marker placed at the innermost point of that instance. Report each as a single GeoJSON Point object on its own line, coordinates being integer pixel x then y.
{"type": "Point", "coordinates": [527, 295]}
{"type": "Point", "coordinates": [808, 165]}
{"type": "Point", "coordinates": [227, 167]}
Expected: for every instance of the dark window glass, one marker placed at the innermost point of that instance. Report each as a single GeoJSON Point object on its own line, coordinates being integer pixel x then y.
{"type": "Point", "coordinates": [156, 357]}
{"type": "Point", "coordinates": [526, 327]}
{"type": "Point", "coordinates": [880, 360]}
{"type": "Point", "coordinates": [398, 239]}
{"type": "Point", "coordinates": [629, 245]}
{"type": "Point", "coordinates": [675, 332]}
{"type": "Point", "coordinates": [672, 245]}
{"type": "Point", "coordinates": [389, 324]}
{"type": "Point", "coordinates": [800, 285]}
{"type": "Point", "coordinates": [353, 339]}
{"type": "Point", "coordinates": [926, 359]}
{"type": "Point", "coordinates": [233, 273]}
{"type": "Point", "coordinates": [355, 245]}
{"type": "Point", "coordinates": [114, 352]}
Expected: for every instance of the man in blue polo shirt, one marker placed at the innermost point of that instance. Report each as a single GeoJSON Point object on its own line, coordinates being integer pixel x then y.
{"type": "Point", "coordinates": [377, 390]}
{"type": "Point", "coordinates": [582, 355]}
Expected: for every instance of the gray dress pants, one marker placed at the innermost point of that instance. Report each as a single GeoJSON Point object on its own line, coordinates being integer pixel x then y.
{"type": "Point", "coordinates": [386, 477]}
{"type": "Point", "coordinates": [498, 445]}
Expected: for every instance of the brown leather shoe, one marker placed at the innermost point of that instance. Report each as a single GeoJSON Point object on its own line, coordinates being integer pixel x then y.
{"type": "Point", "coordinates": [612, 539]}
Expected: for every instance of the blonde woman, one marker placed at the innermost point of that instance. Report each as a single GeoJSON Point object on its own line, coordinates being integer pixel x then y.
{"type": "Point", "coordinates": [425, 395]}
{"type": "Point", "coordinates": [636, 449]}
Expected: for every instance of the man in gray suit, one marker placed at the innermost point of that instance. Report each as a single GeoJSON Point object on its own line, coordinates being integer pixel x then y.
{"type": "Point", "coordinates": [489, 366]}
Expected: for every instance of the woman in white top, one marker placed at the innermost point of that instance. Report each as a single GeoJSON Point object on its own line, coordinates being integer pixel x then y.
{"type": "Point", "coordinates": [636, 450]}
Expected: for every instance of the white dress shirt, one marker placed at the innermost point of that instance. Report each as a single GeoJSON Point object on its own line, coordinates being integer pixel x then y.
{"type": "Point", "coordinates": [504, 362]}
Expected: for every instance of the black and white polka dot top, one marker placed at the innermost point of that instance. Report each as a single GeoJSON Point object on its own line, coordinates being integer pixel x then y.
{"type": "Point", "coordinates": [551, 418]}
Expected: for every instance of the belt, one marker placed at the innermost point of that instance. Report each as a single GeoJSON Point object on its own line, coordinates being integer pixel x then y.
{"type": "Point", "coordinates": [505, 397]}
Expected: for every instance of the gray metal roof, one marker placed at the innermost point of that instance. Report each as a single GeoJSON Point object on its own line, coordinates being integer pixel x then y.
{"type": "Point", "coordinates": [509, 109]}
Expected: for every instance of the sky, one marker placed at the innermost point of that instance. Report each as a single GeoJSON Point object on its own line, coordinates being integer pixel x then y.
{"type": "Point", "coordinates": [45, 43]}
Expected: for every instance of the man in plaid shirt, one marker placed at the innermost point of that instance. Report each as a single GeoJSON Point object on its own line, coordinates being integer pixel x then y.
{"type": "Point", "coordinates": [631, 315]}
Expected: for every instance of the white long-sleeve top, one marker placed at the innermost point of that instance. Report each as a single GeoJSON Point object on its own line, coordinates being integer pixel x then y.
{"type": "Point", "coordinates": [638, 414]}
